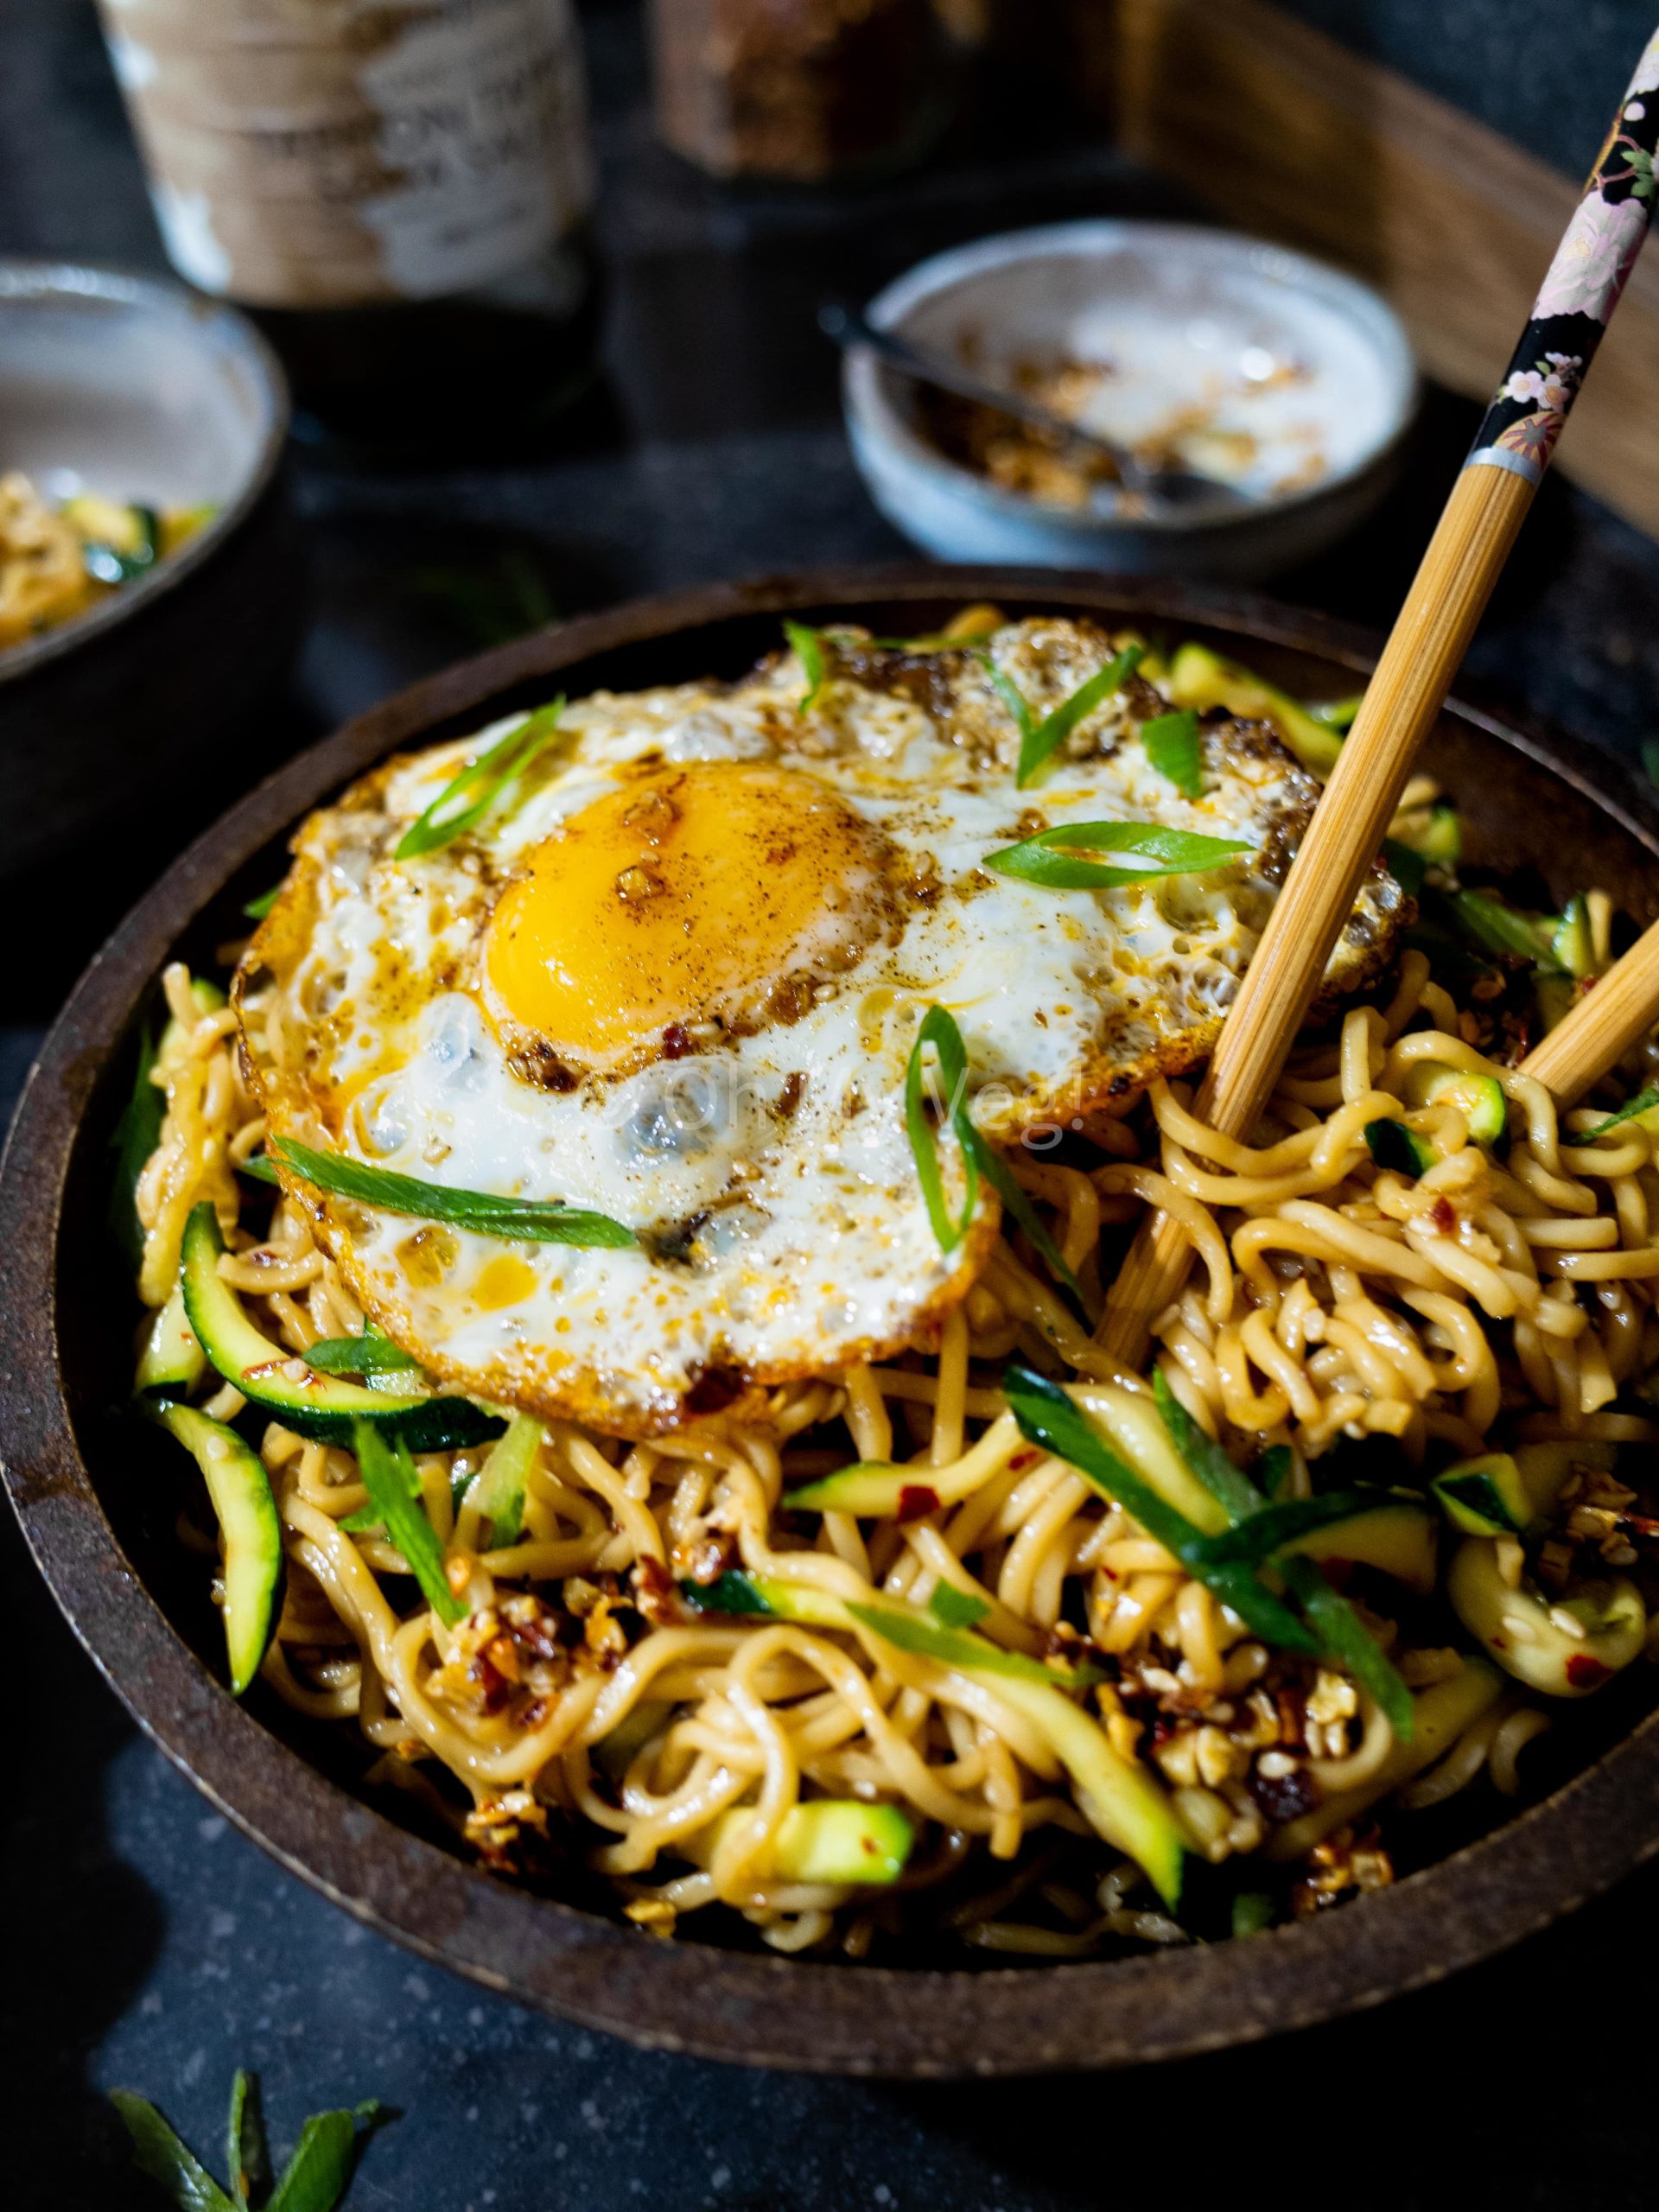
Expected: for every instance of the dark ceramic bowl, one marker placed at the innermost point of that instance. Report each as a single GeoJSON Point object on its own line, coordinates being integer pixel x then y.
{"type": "Point", "coordinates": [137, 710]}
{"type": "Point", "coordinates": [103, 1531]}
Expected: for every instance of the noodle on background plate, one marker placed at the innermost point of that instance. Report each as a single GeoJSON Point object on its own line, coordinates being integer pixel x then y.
{"type": "Point", "coordinates": [1502, 1296]}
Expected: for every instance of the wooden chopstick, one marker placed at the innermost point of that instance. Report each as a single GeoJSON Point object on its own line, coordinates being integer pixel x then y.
{"type": "Point", "coordinates": [1448, 596]}
{"type": "Point", "coordinates": [1622, 1006]}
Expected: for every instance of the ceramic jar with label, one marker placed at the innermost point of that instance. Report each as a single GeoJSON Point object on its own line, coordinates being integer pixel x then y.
{"type": "Point", "coordinates": [397, 189]}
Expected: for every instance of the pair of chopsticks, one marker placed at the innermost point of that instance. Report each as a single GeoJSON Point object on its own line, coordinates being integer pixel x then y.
{"type": "Point", "coordinates": [1448, 596]}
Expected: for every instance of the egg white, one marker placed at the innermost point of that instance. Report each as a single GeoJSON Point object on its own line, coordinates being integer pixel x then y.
{"type": "Point", "coordinates": [768, 1175]}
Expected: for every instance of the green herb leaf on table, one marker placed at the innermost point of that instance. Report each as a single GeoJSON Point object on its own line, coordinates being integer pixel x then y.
{"type": "Point", "coordinates": [135, 1137]}
{"type": "Point", "coordinates": [1038, 740]}
{"type": "Point", "coordinates": [314, 2180]}
{"type": "Point", "coordinates": [1046, 859]}
{"type": "Point", "coordinates": [158, 2152]}
{"type": "Point", "coordinates": [396, 1499]}
{"type": "Point", "coordinates": [369, 1354]}
{"type": "Point", "coordinates": [468, 796]}
{"type": "Point", "coordinates": [808, 645]}
{"type": "Point", "coordinates": [250, 2158]}
{"type": "Point", "coordinates": [532, 1221]}
{"type": "Point", "coordinates": [1643, 1103]}
{"type": "Point", "coordinates": [315, 2177]}
{"type": "Point", "coordinates": [1175, 751]}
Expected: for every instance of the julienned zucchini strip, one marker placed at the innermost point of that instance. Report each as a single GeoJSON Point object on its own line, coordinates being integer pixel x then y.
{"type": "Point", "coordinates": [251, 1530]}
{"type": "Point", "coordinates": [1121, 1799]}
{"type": "Point", "coordinates": [320, 1406]}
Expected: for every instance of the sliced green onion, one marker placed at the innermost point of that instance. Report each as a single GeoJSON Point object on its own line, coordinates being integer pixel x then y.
{"type": "Point", "coordinates": [1227, 1484]}
{"type": "Point", "coordinates": [1038, 740]}
{"type": "Point", "coordinates": [979, 1158]}
{"type": "Point", "coordinates": [257, 909]}
{"type": "Point", "coordinates": [1174, 749]}
{"type": "Point", "coordinates": [1500, 928]}
{"type": "Point", "coordinates": [246, 2140]}
{"type": "Point", "coordinates": [1256, 1538]}
{"type": "Point", "coordinates": [1048, 1415]}
{"type": "Point", "coordinates": [1344, 1635]}
{"type": "Point", "coordinates": [926, 1638]}
{"type": "Point", "coordinates": [1337, 714]}
{"type": "Point", "coordinates": [1405, 866]}
{"type": "Point", "coordinates": [134, 1136]}
{"type": "Point", "coordinates": [399, 1505]}
{"type": "Point", "coordinates": [1159, 851]}
{"type": "Point", "coordinates": [369, 1354]}
{"type": "Point", "coordinates": [499, 1496]}
{"type": "Point", "coordinates": [1253, 1910]}
{"type": "Point", "coordinates": [315, 2176]}
{"type": "Point", "coordinates": [939, 1030]}
{"type": "Point", "coordinates": [1643, 1103]}
{"type": "Point", "coordinates": [465, 800]}
{"type": "Point", "coordinates": [808, 645]}
{"type": "Point", "coordinates": [530, 1221]}
{"type": "Point", "coordinates": [955, 1608]}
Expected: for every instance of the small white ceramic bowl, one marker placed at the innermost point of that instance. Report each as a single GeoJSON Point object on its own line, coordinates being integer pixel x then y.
{"type": "Point", "coordinates": [1180, 309]}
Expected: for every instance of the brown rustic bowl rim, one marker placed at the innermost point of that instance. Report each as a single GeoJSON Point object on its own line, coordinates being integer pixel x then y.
{"type": "Point", "coordinates": [688, 1996]}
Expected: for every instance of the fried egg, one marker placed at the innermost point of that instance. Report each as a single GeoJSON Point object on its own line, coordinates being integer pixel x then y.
{"type": "Point", "coordinates": [675, 975]}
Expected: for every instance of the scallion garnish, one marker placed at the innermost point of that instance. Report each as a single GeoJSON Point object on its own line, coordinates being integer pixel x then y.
{"type": "Point", "coordinates": [979, 1158]}
{"type": "Point", "coordinates": [1037, 740]}
{"type": "Point", "coordinates": [369, 1354]}
{"type": "Point", "coordinates": [135, 1137]}
{"type": "Point", "coordinates": [1173, 747]}
{"type": "Point", "coordinates": [1048, 1415]}
{"type": "Point", "coordinates": [466, 799]}
{"type": "Point", "coordinates": [257, 909]}
{"type": "Point", "coordinates": [955, 1608]}
{"type": "Point", "coordinates": [928, 1638]}
{"type": "Point", "coordinates": [530, 1221]}
{"type": "Point", "coordinates": [939, 1030]}
{"type": "Point", "coordinates": [1046, 859]}
{"type": "Point", "coordinates": [397, 1505]}
{"type": "Point", "coordinates": [1328, 1613]}
{"type": "Point", "coordinates": [1643, 1103]}
{"type": "Point", "coordinates": [808, 645]}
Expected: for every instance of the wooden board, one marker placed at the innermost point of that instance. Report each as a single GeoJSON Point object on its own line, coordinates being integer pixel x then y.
{"type": "Point", "coordinates": [1289, 134]}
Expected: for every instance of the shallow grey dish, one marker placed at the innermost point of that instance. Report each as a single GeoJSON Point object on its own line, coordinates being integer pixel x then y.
{"type": "Point", "coordinates": [142, 392]}
{"type": "Point", "coordinates": [1082, 291]}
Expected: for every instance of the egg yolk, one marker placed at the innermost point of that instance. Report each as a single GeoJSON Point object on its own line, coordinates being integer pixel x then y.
{"type": "Point", "coordinates": [685, 897]}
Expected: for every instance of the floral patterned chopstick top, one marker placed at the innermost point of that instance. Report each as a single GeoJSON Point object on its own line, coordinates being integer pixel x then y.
{"type": "Point", "coordinates": [1579, 291]}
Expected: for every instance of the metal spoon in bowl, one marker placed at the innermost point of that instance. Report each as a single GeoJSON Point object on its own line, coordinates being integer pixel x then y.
{"type": "Point", "coordinates": [1170, 490]}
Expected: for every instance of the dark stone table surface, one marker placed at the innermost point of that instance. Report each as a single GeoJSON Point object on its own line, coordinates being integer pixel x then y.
{"type": "Point", "coordinates": [149, 1945]}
